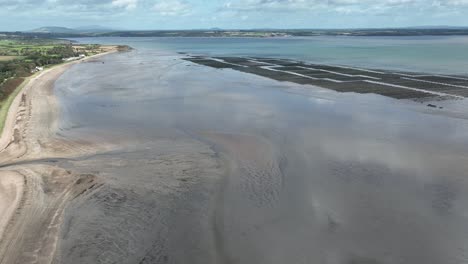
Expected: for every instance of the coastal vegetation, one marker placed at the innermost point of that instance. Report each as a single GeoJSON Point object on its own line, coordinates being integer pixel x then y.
{"type": "Point", "coordinates": [60, 32]}
{"type": "Point", "coordinates": [21, 57]}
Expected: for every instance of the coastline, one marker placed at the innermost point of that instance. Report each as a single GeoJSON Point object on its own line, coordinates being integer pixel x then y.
{"type": "Point", "coordinates": [14, 98]}
{"type": "Point", "coordinates": [33, 189]}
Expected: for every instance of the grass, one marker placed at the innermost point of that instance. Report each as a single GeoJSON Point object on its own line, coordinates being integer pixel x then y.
{"type": "Point", "coordinates": [30, 42]}
{"type": "Point", "coordinates": [6, 42]}
{"type": "Point", "coordinates": [31, 48]}
{"type": "Point", "coordinates": [13, 47]}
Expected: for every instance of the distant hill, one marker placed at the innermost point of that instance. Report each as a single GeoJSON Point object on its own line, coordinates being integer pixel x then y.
{"type": "Point", "coordinates": [53, 30]}
{"type": "Point", "coordinates": [78, 30]}
{"type": "Point", "coordinates": [93, 29]}
{"type": "Point", "coordinates": [437, 27]}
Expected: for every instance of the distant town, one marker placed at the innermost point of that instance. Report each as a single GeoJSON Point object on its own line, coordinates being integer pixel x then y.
{"type": "Point", "coordinates": [63, 32]}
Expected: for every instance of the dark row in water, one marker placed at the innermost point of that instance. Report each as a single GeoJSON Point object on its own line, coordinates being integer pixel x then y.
{"type": "Point", "coordinates": [398, 85]}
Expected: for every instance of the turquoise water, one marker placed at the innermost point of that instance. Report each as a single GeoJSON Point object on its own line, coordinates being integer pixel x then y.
{"type": "Point", "coordinates": [422, 54]}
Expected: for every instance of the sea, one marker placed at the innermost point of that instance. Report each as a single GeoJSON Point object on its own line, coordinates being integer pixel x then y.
{"type": "Point", "coordinates": [433, 54]}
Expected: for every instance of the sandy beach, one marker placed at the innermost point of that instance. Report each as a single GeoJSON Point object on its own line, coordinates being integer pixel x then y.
{"type": "Point", "coordinates": [33, 196]}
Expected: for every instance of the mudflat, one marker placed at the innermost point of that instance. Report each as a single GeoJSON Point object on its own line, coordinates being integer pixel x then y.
{"type": "Point", "coordinates": [394, 84]}
{"type": "Point", "coordinates": [155, 159]}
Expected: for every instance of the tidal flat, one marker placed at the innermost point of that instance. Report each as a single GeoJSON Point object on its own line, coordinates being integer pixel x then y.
{"type": "Point", "coordinates": [207, 165]}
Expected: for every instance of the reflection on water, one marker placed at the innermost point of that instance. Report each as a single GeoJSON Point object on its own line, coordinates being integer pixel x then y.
{"type": "Point", "coordinates": [284, 173]}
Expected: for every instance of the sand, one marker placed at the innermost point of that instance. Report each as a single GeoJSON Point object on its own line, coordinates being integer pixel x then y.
{"type": "Point", "coordinates": [11, 189]}
{"type": "Point", "coordinates": [320, 178]}
{"type": "Point", "coordinates": [33, 196]}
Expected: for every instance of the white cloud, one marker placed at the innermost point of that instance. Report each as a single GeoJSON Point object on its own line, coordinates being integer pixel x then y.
{"type": "Point", "coordinates": [172, 8]}
{"type": "Point", "coordinates": [451, 2]}
{"type": "Point", "coordinates": [270, 5]}
{"type": "Point", "coordinates": [348, 6]}
{"type": "Point", "coordinates": [127, 4]}
{"type": "Point", "coordinates": [84, 5]}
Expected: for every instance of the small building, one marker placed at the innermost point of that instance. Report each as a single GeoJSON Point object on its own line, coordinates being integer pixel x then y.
{"type": "Point", "coordinates": [37, 69]}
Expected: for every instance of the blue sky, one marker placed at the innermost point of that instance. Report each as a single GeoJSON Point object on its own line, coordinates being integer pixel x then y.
{"type": "Point", "coordinates": [193, 14]}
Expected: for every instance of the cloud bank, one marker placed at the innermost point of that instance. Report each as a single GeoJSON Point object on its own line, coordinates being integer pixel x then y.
{"type": "Point", "coordinates": [172, 8]}
{"type": "Point", "coordinates": [234, 13]}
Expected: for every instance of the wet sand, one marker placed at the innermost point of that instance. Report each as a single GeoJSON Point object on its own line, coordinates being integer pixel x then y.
{"type": "Point", "coordinates": [39, 180]}
{"type": "Point", "coordinates": [153, 159]}
{"type": "Point", "coordinates": [32, 195]}
{"type": "Point", "coordinates": [11, 189]}
{"type": "Point", "coordinates": [226, 167]}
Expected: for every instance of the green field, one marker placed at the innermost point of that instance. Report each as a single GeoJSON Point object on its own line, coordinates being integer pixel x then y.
{"type": "Point", "coordinates": [9, 58]}
{"type": "Point", "coordinates": [21, 47]}
{"type": "Point", "coordinates": [20, 58]}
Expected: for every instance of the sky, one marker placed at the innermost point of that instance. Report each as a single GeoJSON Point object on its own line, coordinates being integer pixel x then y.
{"type": "Point", "coordinates": [230, 14]}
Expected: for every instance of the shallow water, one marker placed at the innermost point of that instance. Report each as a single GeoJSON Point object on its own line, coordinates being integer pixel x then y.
{"type": "Point", "coordinates": [436, 54]}
{"type": "Point", "coordinates": [217, 166]}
